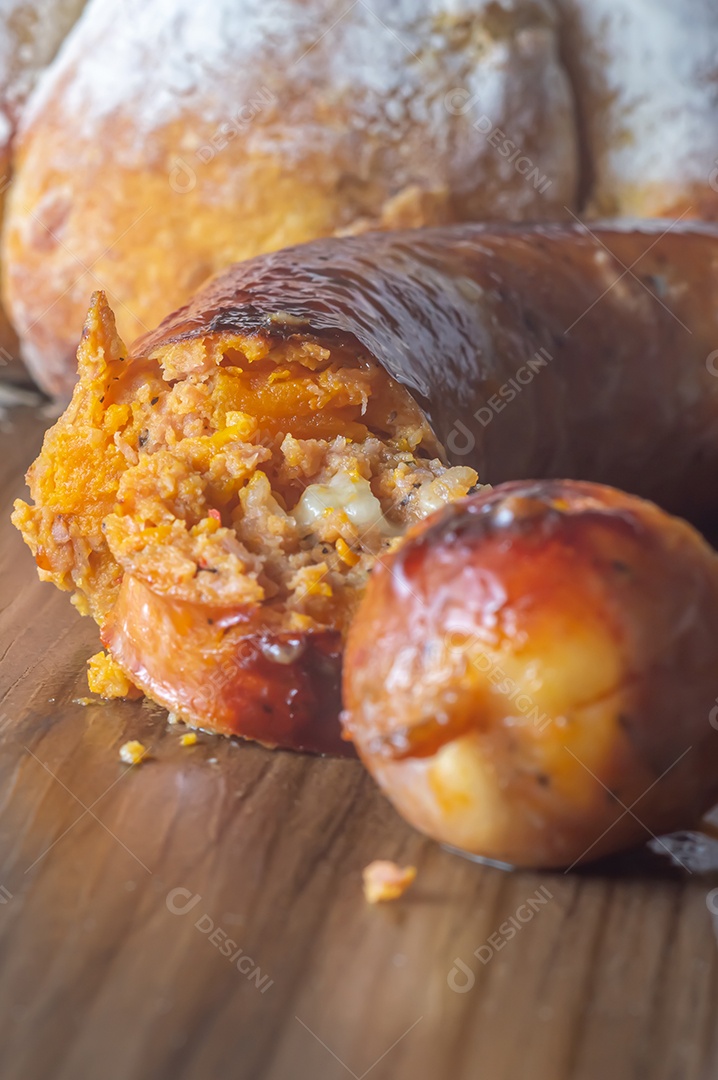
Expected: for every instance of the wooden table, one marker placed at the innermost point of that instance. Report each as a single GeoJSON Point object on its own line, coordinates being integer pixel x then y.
{"type": "Point", "coordinates": [122, 890]}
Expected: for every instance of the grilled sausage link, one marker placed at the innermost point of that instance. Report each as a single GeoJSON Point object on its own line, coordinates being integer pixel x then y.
{"type": "Point", "coordinates": [531, 676]}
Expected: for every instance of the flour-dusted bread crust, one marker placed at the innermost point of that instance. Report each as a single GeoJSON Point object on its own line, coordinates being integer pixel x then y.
{"type": "Point", "coordinates": [30, 33]}
{"type": "Point", "coordinates": [645, 74]}
{"type": "Point", "coordinates": [172, 138]}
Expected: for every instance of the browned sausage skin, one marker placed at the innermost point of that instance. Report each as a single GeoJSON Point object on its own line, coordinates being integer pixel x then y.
{"type": "Point", "coordinates": [219, 522]}
{"type": "Point", "coordinates": [280, 688]}
{"type": "Point", "coordinates": [242, 467]}
{"type": "Point", "coordinates": [543, 350]}
{"type": "Point", "coordinates": [531, 674]}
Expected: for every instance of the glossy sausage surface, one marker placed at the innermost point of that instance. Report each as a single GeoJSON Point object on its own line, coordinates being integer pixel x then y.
{"type": "Point", "coordinates": [533, 675]}
{"type": "Point", "coordinates": [535, 351]}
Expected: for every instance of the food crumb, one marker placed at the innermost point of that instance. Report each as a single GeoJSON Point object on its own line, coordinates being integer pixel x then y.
{"type": "Point", "coordinates": [106, 678]}
{"type": "Point", "coordinates": [133, 752]}
{"type": "Point", "coordinates": [345, 553]}
{"type": "Point", "coordinates": [384, 880]}
{"type": "Point", "coordinates": [172, 718]}
{"type": "Point", "coordinates": [190, 739]}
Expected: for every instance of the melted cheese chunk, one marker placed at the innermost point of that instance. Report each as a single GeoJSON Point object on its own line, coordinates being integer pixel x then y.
{"type": "Point", "coordinates": [349, 493]}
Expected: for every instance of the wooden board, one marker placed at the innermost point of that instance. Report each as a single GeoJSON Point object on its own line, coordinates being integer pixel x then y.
{"type": "Point", "coordinates": [120, 888]}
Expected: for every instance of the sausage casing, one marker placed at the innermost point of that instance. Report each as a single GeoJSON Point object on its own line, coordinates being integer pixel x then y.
{"type": "Point", "coordinates": [533, 675]}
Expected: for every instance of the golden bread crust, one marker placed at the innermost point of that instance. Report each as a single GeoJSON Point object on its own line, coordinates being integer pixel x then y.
{"type": "Point", "coordinates": [184, 158]}
{"type": "Point", "coordinates": [30, 33]}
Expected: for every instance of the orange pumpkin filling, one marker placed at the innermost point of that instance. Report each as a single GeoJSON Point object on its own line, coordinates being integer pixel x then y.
{"type": "Point", "coordinates": [230, 473]}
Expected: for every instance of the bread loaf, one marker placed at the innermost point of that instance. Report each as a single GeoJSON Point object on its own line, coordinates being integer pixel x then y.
{"type": "Point", "coordinates": [30, 33]}
{"type": "Point", "coordinates": [205, 134]}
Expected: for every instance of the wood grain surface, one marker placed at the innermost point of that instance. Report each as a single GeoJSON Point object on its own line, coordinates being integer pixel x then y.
{"type": "Point", "coordinates": [123, 889]}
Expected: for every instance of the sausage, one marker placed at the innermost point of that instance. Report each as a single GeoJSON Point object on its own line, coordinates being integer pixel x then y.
{"type": "Point", "coordinates": [279, 689]}
{"type": "Point", "coordinates": [217, 512]}
{"type": "Point", "coordinates": [602, 342]}
{"type": "Point", "coordinates": [247, 462]}
{"type": "Point", "coordinates": [531, 675]}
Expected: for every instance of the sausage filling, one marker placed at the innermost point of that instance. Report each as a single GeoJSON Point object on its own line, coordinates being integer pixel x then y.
{"type": "Point", "coordinates": [242, 474]}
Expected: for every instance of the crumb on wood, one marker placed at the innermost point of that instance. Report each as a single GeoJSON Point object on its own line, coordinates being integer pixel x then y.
{"type": "Point", "coordinates": [384, 880]}
{"type": "Point", "coordinates": [106, 678]}
{"type": "Point", "coordinates": [190, 739]}
{"type": "Point", "coordinates": [133, 752]}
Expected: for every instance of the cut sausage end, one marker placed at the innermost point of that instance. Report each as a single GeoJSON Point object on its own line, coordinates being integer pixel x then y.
{"type": "Point", "coordinates": [219, 503]}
